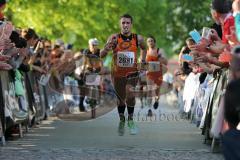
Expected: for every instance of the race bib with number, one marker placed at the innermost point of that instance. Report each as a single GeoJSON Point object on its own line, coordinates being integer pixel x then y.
{"type": "Point", "coordinates": [93, 80]}
{"type": "Point", "coordinates": [153, 66]}
{"type": "Point", "coordinates": [125, 59]}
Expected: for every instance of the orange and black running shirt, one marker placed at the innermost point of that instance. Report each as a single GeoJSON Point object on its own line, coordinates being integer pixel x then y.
{"type": "Point", "coordinates": [155, 76]}
{"type": "Point", "coordinates": [125, 55]}
{"type": "Point", "coordinates": [150, 58]}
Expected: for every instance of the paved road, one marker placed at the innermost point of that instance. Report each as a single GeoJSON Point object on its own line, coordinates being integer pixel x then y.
{"type": "Point", "coordinates": [159, 138]}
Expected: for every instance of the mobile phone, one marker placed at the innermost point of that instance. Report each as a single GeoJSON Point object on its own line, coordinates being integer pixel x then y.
{"type": "Point", "coordinates": [187, 57]}
{"type": "Point", "coordinates": [206, 32]}
{"type": "Point", "coordinates": [195, 35]}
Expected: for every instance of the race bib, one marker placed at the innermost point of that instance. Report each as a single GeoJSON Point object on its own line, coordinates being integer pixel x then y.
{"type": "Point", "coordinates": [153, 66]}
{"type": "Point", "coordinates": [125, 59]}
{"type": "Point", "coordinates": [93, 80]}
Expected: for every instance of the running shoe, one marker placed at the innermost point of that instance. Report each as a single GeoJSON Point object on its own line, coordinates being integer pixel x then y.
{"type": "Point", "coordinates": [132, 127]}
{"type": "Point", "coordinates": [150, 113]}
{"type": "Point", "coordinates": [155, 105]}
{"type": "Point", "coordinates": [121, 128]}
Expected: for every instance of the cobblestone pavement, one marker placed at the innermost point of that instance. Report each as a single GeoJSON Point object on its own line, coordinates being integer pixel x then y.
{"type": "Point", "coordinates": [105, 154]}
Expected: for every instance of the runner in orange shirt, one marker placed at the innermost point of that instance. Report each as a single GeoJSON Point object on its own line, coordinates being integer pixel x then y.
{"type": "Point", "coordinates": [154, 77]}
{"type": "Point", "coordinates": [124, 46]}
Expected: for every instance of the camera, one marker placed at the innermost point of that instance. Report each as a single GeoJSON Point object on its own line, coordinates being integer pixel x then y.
{"type": "Point", "coordinates": [236, 50]}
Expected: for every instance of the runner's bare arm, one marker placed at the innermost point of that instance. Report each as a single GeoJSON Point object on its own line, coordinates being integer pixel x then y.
{"type": "Point", "coordinates": [142, 46]}
{"type": "Point", "coordinates": [111, 43]}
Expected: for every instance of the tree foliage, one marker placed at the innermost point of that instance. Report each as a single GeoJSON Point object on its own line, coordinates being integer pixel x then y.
{"type": "Point", "coordinates": [76, 21]}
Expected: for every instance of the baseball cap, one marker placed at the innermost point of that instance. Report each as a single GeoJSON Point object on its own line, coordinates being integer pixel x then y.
{"type": "Point", "coordinates": [93, 41]}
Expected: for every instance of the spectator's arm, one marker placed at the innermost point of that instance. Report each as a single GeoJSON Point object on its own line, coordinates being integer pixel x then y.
{"type": "Point", "coordinates": [180, 55]}
{"type": "Point", "coordinates": [38, 69]}
{"type": "Point", "coordinates": [32, 59]}
{"type": "Point", "coordinates": [213, 60]}
{"type": "Point", "coordinates": [217, 48]}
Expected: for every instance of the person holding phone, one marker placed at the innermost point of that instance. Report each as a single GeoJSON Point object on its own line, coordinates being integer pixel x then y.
{"type": "Point", "coordinates": [125, 46]}
{"type": "Point", "coordinates": [185, 67]}
{"type": "Point", "coordinates": [221, 13]}
{"type": "Point", "coordinates": [154, 54]}
{"type": "Point", "coordinates": [216, 47]}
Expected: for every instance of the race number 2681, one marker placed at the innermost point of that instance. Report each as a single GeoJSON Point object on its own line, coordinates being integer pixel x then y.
{"type": "Point", "coordinates": [125, 59]}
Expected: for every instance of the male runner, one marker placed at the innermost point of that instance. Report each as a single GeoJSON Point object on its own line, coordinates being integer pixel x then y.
{"type": "Point", "coordinates": [124, 46]}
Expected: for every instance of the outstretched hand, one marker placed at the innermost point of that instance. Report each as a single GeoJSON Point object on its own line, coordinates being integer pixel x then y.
{"type": "Point", "coordinates": [236, 6]}
{"type": "Point", "coordinates": [201, 46]}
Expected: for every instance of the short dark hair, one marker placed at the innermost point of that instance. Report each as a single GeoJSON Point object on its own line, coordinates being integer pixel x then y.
{"type": "Point", "coordinates": [17, 40]}
{"type": "Point", "coordinates": [232, 103]}
{"type": "Point", "coordinates": [2, 2]}
{"type": "Point", "coordinates": [222, 6]}
{"type": "Point", "coordinates": [29, 34]}
{"type": "Point", "coordinates": [154, 39]}
{"type": "Point", "coordinates": [21, 43]}
{"type": "Point", "coordinates": [189, 40]}
{"type": "Point", "coordinates": [126, 15]}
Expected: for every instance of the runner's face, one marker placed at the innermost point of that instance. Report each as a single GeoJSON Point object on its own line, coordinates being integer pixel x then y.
{"type": "Point", "coordinates": [126, 25]}
{"type": "Point", "coordinates": [93, 48]}
{"type": "Point", "coordinates": [150, 43]}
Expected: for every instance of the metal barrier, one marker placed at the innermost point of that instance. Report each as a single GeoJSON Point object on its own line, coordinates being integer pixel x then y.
{"type": "Point", "coordinates": [35, 100]}
{"type": "Point", "coordinates": [2, 115]}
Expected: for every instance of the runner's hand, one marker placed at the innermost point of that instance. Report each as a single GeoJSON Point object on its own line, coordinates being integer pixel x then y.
{"type": "Point", "coordinates": [142, 66]}
{"type": "Point", "coordinates": [111, 43]}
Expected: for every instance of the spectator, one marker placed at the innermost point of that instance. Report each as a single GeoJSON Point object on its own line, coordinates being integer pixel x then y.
{"type": "Point", "coordinates": [231, 138]}
{"type": "Point", "coordinates": [221, 13]}
{"type": "Point", "coordinates": [186, 50]}
{"type": "Point", "coordinates": [2, 6]}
